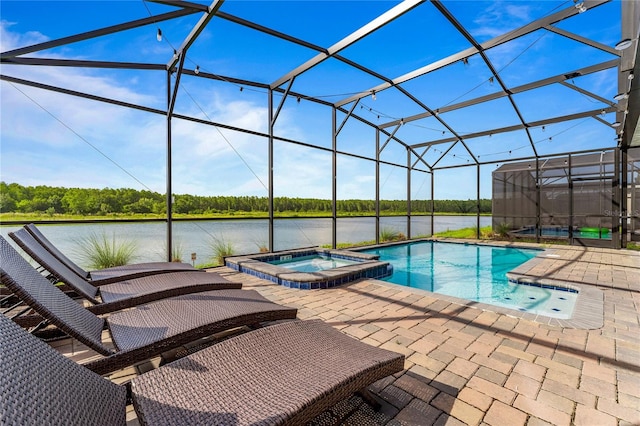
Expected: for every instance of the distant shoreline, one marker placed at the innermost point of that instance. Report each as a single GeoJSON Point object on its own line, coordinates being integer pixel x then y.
{"type": "Point", "coordinates": [9, 219]}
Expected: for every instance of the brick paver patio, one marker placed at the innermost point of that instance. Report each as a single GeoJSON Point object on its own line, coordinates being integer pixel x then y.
{"type": "Point", "coordinates": [466, 365]}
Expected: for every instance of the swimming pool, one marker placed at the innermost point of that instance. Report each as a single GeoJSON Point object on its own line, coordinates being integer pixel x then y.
{"type": "Point", "coordinates": [563, 232]}
{"type": "Point", "coordinates": [474, 272]}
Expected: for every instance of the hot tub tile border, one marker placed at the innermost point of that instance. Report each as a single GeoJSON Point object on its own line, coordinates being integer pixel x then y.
{"type": "Point", "coordinates": [368, 267]}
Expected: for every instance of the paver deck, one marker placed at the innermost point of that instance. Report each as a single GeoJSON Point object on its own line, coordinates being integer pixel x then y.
{"type": "Point", "coordinates": [466, 365]}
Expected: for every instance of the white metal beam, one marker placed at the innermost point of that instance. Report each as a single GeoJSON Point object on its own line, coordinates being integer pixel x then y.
{"type": "Point", "coordinates": [362, 32]}
{"type": "Point", "coordinates": [496, 41]}
{"type": "Point", "coordinates": [195, 32]}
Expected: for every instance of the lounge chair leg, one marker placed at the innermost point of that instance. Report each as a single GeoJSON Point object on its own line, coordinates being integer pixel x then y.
{"type": "Point", "coordinates": [47, 334]}
{"type": "Point", "coordinates": [9, 298]}
{"type": "Point", "coordinates": [12, 307]}
{"type": "Point", "coordinates": [40, 326]}
{"type": "Point", "coordinates": [127, 386]}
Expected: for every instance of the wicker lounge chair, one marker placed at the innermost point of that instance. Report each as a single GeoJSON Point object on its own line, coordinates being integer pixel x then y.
{"type": "Point", "coordinates": [282, 374]}
{"type": "Point", "coordinates": [109, 275]}
{"type": "Point", "coordinates": [122, 294]}
{"type": "Point", "coordinates": [142, 332]}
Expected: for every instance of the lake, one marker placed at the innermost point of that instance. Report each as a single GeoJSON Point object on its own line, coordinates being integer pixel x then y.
{"type": "Point", "coordinates": [245, 236]}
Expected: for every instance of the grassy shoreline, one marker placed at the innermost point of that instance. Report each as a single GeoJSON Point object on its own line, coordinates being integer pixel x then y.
{"type": "Point", "coordinates": [486, 232]}
{"type": "Point", "coordinates": [44, 217]}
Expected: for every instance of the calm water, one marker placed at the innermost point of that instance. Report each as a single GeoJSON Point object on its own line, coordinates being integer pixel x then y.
{"type": "Point", "coordinates": [313, 263]}
{"type": "Point", "coordinates": [245, 236]}
{"type": "Point", "coordinates": [473, 272]}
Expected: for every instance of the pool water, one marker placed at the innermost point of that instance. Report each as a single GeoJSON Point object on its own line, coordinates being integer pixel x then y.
{"type": "Point", "coordinates": [536, 299]}
{"type": "Point", "coordinates": [558, 232]}
{"type": "Point", "coordinates": [313, 263]}
{"type": "Point", "coordinates": [473, 272]}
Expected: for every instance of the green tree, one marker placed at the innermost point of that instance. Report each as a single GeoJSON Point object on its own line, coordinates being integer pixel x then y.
{"type": "Point", "coordinates": [89, 201]}
{"type": "Point", "coordinates": [7, 203]}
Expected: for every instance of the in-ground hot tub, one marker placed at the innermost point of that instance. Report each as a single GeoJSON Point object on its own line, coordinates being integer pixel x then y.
{"type": "Point", "coordinates": [311, 268]}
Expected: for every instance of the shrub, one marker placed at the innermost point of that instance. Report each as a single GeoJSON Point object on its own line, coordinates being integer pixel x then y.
{"type": "Point", "coordinates": [221, 249]}
{"type": "Point", "coordinates": [176, 252]}
{"type": "Point", "coordinates": [99, 251]}
{"type": "Point", "coordinates": [388, 234]}
{"type": "Point", "coordinates": [503, 229]}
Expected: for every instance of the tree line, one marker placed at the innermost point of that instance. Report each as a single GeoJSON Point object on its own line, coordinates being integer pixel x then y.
{"type": "Point", "coordinates": [16, 198]}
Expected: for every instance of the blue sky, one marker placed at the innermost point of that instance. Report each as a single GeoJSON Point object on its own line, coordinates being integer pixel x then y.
{"type": "Point", "coordinates": [60, 140]}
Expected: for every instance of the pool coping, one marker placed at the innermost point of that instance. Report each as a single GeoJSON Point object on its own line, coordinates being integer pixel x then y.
{"type": "Point", "coordinates": [368, 267]}
{"type": "Point", "coordinates": [588, 312]}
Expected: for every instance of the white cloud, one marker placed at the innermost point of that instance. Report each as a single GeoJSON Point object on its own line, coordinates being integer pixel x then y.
{"type": "Point", "coordinates": [52, 138]}
{"type": "Point", "coordinates": [519, 13]}
{"type": "Point", "coordinates": [11, 40]}
{"type": "Point", "coordinates": [499, 18]}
